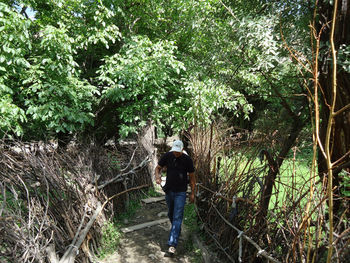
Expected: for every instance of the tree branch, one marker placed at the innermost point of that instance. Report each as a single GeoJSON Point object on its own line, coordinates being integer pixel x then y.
{"type": "Point", "coordinates": [119, 176]}
{"type": "Point", "coordinates": [23, 12]}
{"type": "Point", "coordinates": [341, 110]}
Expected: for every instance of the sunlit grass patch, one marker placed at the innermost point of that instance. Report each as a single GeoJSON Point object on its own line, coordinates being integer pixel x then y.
{"type": "Point", "coordinates": [110, 239]}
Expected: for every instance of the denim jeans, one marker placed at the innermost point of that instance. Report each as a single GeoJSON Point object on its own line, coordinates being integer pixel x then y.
{"type": "Point", "coordinates": [176, 203]}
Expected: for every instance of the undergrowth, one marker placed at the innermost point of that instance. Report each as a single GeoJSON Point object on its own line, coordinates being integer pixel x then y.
{"type": "Point", "coordinates": [191, 222]}
{"type": "Point", "coordinates": [190, 218]}
{"type": "Point", "coordinates": [110, 239]}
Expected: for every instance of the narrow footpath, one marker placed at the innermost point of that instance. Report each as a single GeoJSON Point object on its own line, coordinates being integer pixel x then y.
{"type": "Point", "coordinates": [146, 234]}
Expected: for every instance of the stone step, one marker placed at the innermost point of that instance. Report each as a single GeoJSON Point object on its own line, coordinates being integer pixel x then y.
{"type": "Point", "coordinates": [144, 225]}
{"type": "Point", "coordinates": [153, 199]}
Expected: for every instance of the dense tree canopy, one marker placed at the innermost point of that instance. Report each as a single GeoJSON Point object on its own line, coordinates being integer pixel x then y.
{"type": "Point", "coordinates": [75, 59]}
{"type": "Point", "coordinates": [106, 68]}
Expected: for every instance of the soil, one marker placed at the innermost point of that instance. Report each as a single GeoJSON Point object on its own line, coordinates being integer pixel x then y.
{"type": "Point", "coordinates": [150, 244]}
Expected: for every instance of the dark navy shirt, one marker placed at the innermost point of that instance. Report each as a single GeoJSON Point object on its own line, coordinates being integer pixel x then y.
{"type": "Point", "coordinates": [177, 171]}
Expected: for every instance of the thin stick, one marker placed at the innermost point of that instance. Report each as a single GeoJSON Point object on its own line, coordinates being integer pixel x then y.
{"type": "Point", "coordinates": [132, 157]}
{"type": "Point", "coordinates": [3, 191]}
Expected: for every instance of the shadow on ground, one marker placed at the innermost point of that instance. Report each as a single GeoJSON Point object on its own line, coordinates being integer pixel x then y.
{"type": "Point", "coordinates": [150, 244]}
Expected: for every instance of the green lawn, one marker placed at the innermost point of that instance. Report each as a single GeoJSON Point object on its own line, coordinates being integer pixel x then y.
{"type": "Point", "coordinates": [292, 181]}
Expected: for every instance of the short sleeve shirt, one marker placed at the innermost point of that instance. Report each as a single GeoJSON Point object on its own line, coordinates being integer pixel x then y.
{"type": "Point", "coordinates": [177, 171]}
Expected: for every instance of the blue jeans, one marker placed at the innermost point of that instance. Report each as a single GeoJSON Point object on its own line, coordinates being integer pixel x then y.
{"type": "Point", "coordinates": [176, 204]}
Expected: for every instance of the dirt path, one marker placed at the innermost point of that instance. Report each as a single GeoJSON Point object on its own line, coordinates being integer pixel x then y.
{"type": "Point", "coordinates": [150, 244]}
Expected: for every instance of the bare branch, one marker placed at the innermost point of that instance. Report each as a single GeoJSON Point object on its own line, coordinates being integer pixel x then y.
{"type": "Point", "coordinates": [345, 108]}
{"type": "Point", "coordinates": [120, 176]}
{"type": "Point", "coordinates": [131, 159]}
{"type": "Point", "coordinates": [71, 253]}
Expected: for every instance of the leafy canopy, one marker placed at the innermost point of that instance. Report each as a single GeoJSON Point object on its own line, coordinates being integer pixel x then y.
{"type": "Point", "coordinates": [171, 62]}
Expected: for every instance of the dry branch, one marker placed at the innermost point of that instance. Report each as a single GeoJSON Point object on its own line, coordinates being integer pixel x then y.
{"type": "Point", "coordinates": [45, 194]}
{"type": "Point", "coordinates": [121, 177]}
{"type": "Point", "coordinates": [71, 253]}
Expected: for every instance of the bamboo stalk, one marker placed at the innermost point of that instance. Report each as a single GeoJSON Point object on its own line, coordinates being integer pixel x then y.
{"type": "Point", "coordinates": [314, 137]}
{"type": "Point", "coordinates": [328, 136]}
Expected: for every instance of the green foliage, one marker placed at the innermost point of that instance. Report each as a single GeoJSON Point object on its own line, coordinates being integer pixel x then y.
{"type": "Point", "coordinates": [174, 63]}
{"type": "Point", "coordinates": [210, 97]}
{"type": "Point", "coordinates": [13, 63]}
{"type": "Point", "coordinates": [56, 98]}
{"type": "Point", "coordinates": [11, 117]}
{"type": "Point", "coordinates": [43, 89]}
{"type": "Point", "coordinates": [142, 79]}
{"type": "Point", "coordinates": [344, 57]}
{"type": "Point", "coordinates": [345, 185]}
{"type": "Point", "coordinates": [133, 206]}
{"type": "Point", "coordinates": [190, 218]}
{"type": "Point", "coordinates": [110, 239]}
{"type": "Point", "coordinates": [88, 22]}
{"type": "Point", "coordinates": [260, 41]}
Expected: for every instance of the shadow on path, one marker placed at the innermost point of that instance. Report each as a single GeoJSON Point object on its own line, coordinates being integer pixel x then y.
{"type": "Point", "coordinates": [150, 244]}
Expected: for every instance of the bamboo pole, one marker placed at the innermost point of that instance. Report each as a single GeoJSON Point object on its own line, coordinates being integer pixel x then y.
{"type": "Point", "coordinates": [328, 135]}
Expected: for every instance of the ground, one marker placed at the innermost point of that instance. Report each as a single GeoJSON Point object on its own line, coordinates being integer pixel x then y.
{"type": "Point", "coordinates": [150, 244]}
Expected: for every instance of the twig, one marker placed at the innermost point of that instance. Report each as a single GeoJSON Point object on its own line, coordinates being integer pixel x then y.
{"type": "Point", "coordinates": [218, 244]}
{"type": "Point", "coordinates": [46, 208]}
{"type": "Point", "coordinates": [341, 110]}
{"type": "Point", "coordinates": [78, 231]}
{"type": "Point", "coordinates": [4, 197]}
{"type": "Point", "coordinates": [328, 134]}
{"type": "Point", "coordinates": [71, 253]}
{"type": "Point", "coordinates": [131, 159]}
{"type": "Point", "coordinates": [230, 11]}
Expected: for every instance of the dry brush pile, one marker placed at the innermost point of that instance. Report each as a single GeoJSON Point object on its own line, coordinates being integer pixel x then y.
{"type": "Point", "coordinates": [54, 202]}
{"type": "Point", "coordinates": [232, 175]}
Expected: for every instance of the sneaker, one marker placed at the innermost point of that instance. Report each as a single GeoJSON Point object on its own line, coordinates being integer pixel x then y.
{"type": "Point", "coordinates": [172, 250]}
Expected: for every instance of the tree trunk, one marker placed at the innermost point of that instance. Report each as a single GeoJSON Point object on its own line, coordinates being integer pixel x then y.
{"type": "Point", "coordinates": [147, 140]}
{"type": "Point", "coordinates": [274, 166]}
{"type": "Point", "coordinates": [340, 143]}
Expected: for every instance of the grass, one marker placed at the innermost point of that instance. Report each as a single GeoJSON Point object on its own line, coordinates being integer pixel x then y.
{"type": "Point", "coordinates": [291, 183]}
{"type": "Point", "coordinates": [191, 222]}
{"type": "Point", "coordinates": [110, 239]}
{"type": "Point", "coordinates": [111, 231]}
{"type": "Point", "coordinates": [293, 180]}
{"type": "Point", "coordinates": [190, 218]}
